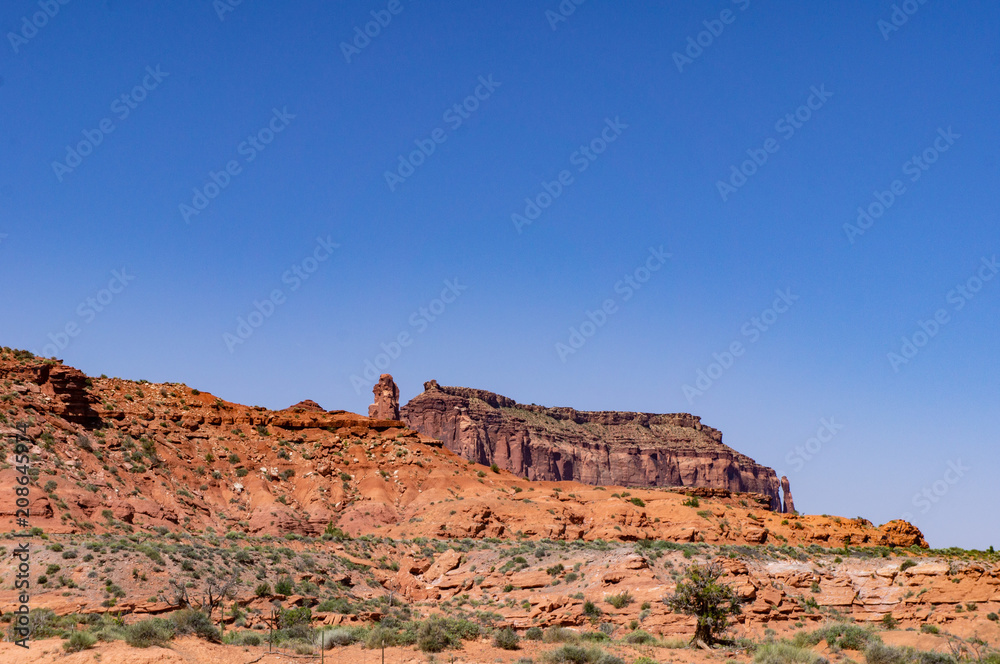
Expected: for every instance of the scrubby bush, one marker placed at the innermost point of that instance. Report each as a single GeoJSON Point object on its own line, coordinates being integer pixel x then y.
{"type": "Point", "coordinates": [929, 629]}
{"type": "Point", "coordinates": [506, 639]}
{"type": "Point", "coordinates": [560, 635]}
{"type": "Point", "coordinates": [338, 636]}
{"type": "Point", "coordinates": [533, 634]}
{"type": "Point", "coordinates": [621, 600]}
{"type": "Point", "coordinates": [189, 621]}
{"type": "Point", "coordinates": [639, 636]}
{"type": "Point", "coordinates": [78, 641]}
{"type": "Point", "coordinates": [572, 654]}
{"type": "Point", "coordinates": [437, 634]}
{"type": "Point", "coordinates": [842, 636]}
{"type": "Point", "coordinates": [284, 586]}
{"type": "Point", "coordinates": [244, 639]}
{"type": "Point", "coordinates": [785, 653]}
{"type": "Point", "coordinates": [150, 632]}
{"type": "Point", "coordinates": [590, 609]}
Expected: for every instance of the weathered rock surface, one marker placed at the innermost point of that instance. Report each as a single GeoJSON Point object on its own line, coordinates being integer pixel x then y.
{"type": "Point", "coordinates": [788, 505]}
{"type": "Point", "coordinates": [386, 406]}
{"type": "Point", "coordinates": [602, 447]}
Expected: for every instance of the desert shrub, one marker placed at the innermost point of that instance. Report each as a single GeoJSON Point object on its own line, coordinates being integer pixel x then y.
{"type": "Point", "coordinates": [929, 629]}
{"type": "Point", "coordinates": [533, 634]}
{"type": "Point", "coordinates": [383, 636]}
{"type": "Point", "coordinates": [189, 621]}
{"type": "Point", "coordinates": [572, 654]}
{"type": "Point", "coordinates": [335, 605]}
{"type": "Point", "coordinates": [338, 636]}
{"type": "Point", "coordinates": [838, 636]}
{"type": "Point", "coordinates": [621, 600]}
{"type": "Point", "coordinates": [560, 635]}
{"type": "Point", "coordinates": [992, 616]}
{"type": "Point", "coordinates": [263, 589]}
{"type": "Point", "coordinates": [284, 586]}
{"type": "Point", "coordinates": [639, 636]}
{"type": "Point", "coordinates": [907, 564]}
{"type": "Point", "coordinates": [244, 639]}
{"type": "Point", "coordinates": [590, 609]}
{"type": "Point", "coordinates": [437, 634]}
{"type": "Point", "coordinates": [639, 502]}
{"type": "Point", "coordinates": [78, 641]}
{"type": "Point", "coordinates": [785, 653]}
{"type": "Point", "coordinates": [889, 622]}
{"type": "Point", "coordinates": [150, 632]}
{"type": "Point", "coordinates": [495, 468]}
{"type": "Point", "coordinates": [644, 660]}
{"type": "Point", "coordinates": [506, 638]}
{"type": "Point", "coordinates": [691, 502]}
{"type": "Point", "coordinates": [879, 653]}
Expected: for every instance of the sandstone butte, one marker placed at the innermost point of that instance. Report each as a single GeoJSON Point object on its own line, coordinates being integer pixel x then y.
{"type": "Point", "coordinates": [147, 484]}
{"type": "Point", "coordinates": [599, 448]}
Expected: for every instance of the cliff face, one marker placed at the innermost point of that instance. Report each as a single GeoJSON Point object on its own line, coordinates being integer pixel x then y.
{"type": "Point", "coordinates": [602, 447]}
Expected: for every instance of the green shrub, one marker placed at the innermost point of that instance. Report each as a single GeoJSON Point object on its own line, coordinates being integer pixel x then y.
{"type": "Point", "coordinates": [189, 621]}
{"type": "Point", "coordinates": [621, 600]}
{"type": "Point", "coordinates": [263, 589]}
{"type": "Point", "coordinates": [639, 502]}
{"type": "Point", "coordinates": [929, 629]}
{"type": "Point", "coordinates": [78, 641]}
{"type": "Point", "coordinates": [992, 616]}
{"type": "Point", "coordinates": [289, 618]}
{"type": "Point", "coordinates": [785, 653]}
{"type": "Point", "coordinates": [284, 586]}
{"type": "Point", "coordinates": [640, 637]}
{"type": "Point", "coordinates": [437, 634]}
{"type": "Point", "coordinates": [590, 609]}
{"type": "Point", "coordinates": [907, 564]}
{"type": "Point", "coordinates": [150, 632]}
{"type": "Point", "coordinates": [691, 502]}
{"type": "Point", "coordinates": [506, 638]}
{"type": "Point", "coordinates": [889, 622]}
{"type": "Point", "coordinates": [879, 653]}
{"type": "Point", "coordinates": [533, 634]}
{"type": "Point", "coordinates": [339, 636]}
{"type": "Point", "coordinates": [243, 639]}
{"type": "Point", "coordinates": [571, 654]}
{"type": "Point", "coordinates": [838, 636]}
{"type": "Point", "coordinates": [560, 635]}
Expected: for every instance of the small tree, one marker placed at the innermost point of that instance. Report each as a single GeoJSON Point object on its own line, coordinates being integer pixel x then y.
{"type": "Point", "coordinates": [701, 595]}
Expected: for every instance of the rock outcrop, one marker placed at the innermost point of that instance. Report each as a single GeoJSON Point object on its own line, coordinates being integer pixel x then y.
{"type": "Point", "coordinates": [386, 406]}
{"type": "Point", "coordinates": [788, 505]}
{"type": "Point", "coordinates": [602, 447]}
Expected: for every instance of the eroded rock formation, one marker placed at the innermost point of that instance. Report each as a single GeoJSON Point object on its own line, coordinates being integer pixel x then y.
{"type": "Point", "coordinates": [386, 406]}
{"type": "Point", "coordinates": [788, 505]}
{"type": "Point", "coordinates": [603, 447]}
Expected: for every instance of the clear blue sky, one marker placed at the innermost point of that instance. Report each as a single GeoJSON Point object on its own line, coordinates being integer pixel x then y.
{"type": "Point", "coordinates": [220, 93]}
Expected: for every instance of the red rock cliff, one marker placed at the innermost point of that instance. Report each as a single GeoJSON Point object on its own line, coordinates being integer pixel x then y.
{"type": "Point", "coordinates": [602, 447]}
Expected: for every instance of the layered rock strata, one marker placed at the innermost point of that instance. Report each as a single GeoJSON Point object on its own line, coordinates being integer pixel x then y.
{"type": "Point", "coordinates": [601, 447]}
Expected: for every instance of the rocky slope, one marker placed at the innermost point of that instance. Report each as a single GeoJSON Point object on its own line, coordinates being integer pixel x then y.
{"type": "Point", "coordinates": [598, 448]}
{"type": "Point", "coordinates": [108, 453]}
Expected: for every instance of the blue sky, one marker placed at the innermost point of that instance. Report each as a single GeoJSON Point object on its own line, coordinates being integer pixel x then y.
{"type": "Point", "coordinates": [278, 138]}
